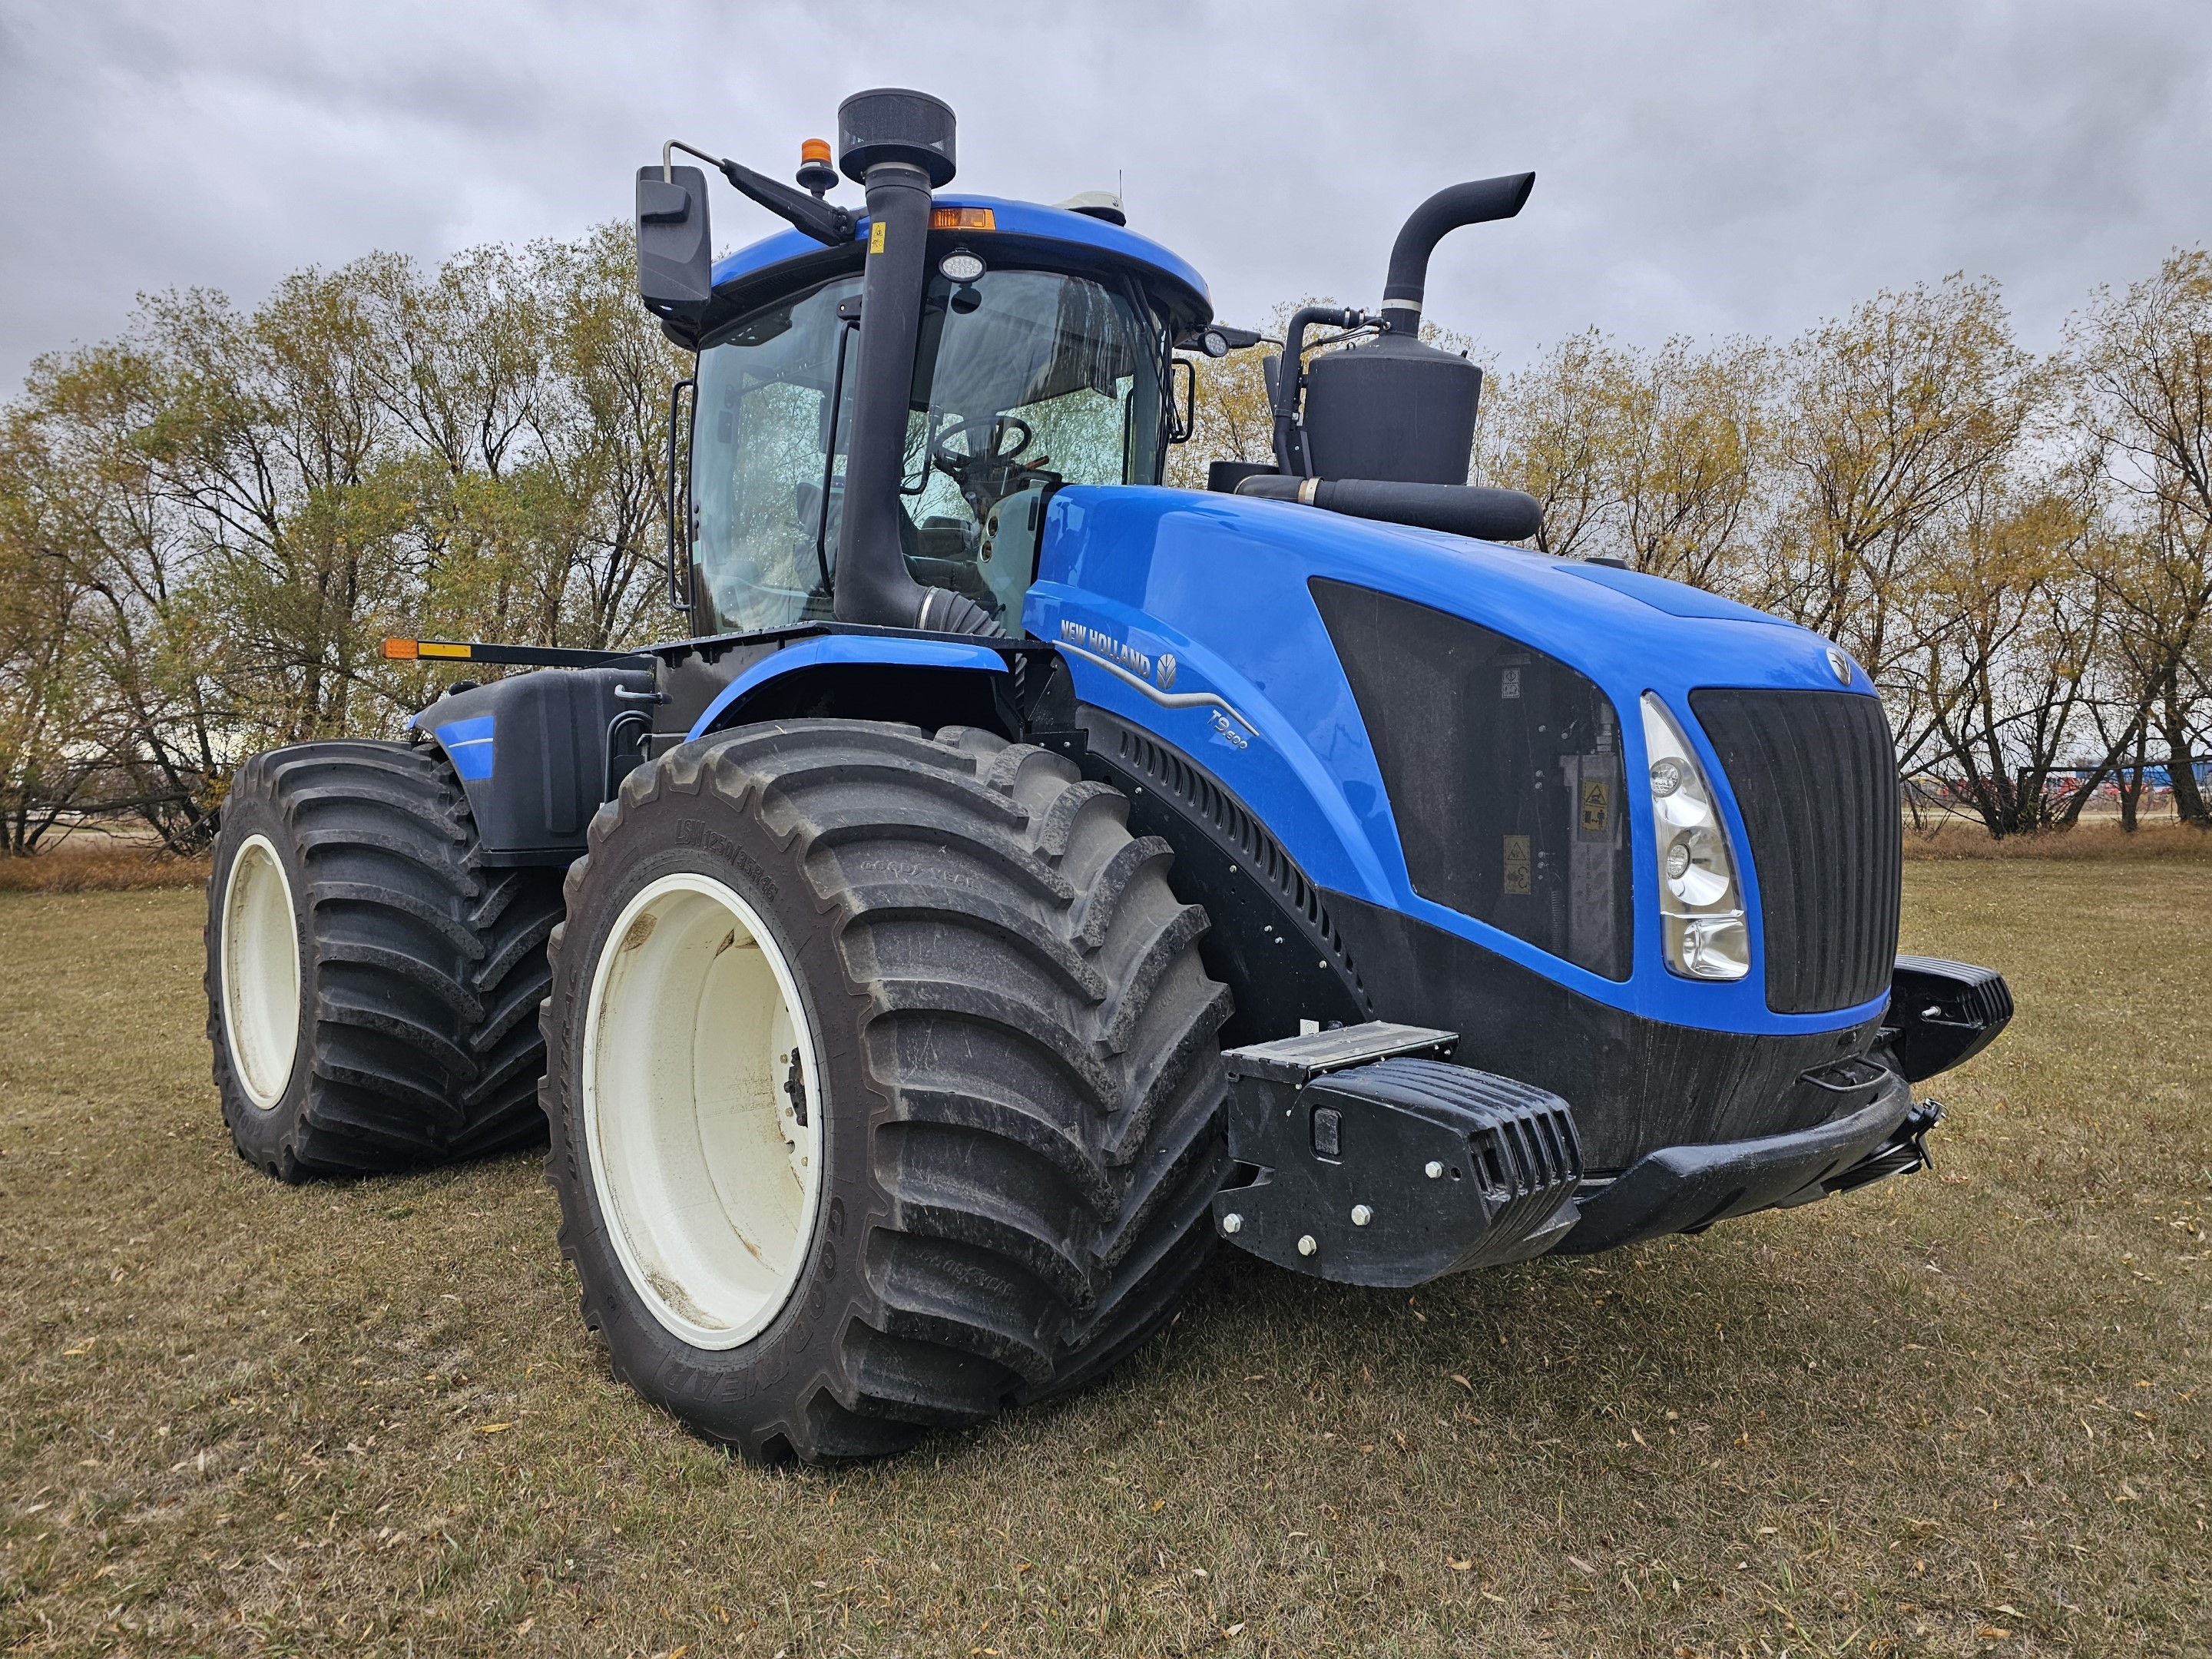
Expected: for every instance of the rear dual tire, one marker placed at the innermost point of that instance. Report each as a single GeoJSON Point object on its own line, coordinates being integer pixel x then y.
{"type": "Point", "coordinates": [883, 1084]}
{"type": "Point", "coordinates": [372, 992]}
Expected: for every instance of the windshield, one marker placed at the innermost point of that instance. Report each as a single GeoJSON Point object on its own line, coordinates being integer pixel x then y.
{"type": "Point", "coordinates": [1024, 380]}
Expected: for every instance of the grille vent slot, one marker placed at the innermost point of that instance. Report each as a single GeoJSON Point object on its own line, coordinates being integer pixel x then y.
{"type": "Point", "coordinates": [1527, 1154]}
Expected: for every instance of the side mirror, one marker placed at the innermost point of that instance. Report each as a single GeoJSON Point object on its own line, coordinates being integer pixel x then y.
{"type": "Point", "coordinates": [675, 246]}
{"type": "Point", "coordinates": [1182, 400]}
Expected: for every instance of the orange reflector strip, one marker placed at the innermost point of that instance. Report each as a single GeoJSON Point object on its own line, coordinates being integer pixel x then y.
{"type": "Point", "coordinates": [814, 150]}
{"type": "Point", "coordinates": [412, 650]}
{"type": "Point", "coordinates": [968, 218]}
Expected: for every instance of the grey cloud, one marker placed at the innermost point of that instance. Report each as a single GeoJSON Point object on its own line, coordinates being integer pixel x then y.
{"type": "Point", "coordinates": [1701, 167]}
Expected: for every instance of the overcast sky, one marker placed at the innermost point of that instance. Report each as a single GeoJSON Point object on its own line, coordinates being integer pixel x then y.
{"type": "Point", "coordinates": [1700, 168]}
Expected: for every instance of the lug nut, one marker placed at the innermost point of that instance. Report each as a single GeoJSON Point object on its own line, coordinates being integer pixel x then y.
{"type": "Point", "coordinates": [1307, 1245]}
{"type": "Point", "coordinates": [1435, 1171]}
{"type": "Point", "coordinates": [1361, 1215]}
{"type": "Point", "coordinates": [1232, 1223]}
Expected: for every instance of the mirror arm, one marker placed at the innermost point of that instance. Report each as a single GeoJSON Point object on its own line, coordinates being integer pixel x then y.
{"type": "Point", "coordinates": [831, 226]}
{"type": "Point", "coordinates": [1182, 414]}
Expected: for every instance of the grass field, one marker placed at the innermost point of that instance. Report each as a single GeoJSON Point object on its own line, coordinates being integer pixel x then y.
{"type": "Point", "coordinates": [1965, 1413]}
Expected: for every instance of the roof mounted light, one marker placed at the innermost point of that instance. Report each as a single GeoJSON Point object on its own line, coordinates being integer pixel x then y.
{"type": "Point", "coordinates": [963, 218]}
{"type": "Point", "coordinates": [817, 173]}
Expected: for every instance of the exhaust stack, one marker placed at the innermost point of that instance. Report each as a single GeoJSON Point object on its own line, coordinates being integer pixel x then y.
{"type": "Point", "coordinates": [1395, 410]}
{"type": "Point", "coordinates": [1473, 204]}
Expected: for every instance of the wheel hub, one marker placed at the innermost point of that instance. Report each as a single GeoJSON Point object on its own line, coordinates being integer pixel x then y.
{"type": "Point", "coordinates": [260, 972]}
{"type": "Point", "coordinates": [702, 1109]}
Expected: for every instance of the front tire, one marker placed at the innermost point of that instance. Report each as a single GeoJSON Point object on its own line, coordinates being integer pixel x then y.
{"type": "Point", "coordinates": [985, 1176]}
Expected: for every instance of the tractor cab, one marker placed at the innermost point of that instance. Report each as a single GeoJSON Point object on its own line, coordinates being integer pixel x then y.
{"type": "Point", "coordinates": [1043, 357]}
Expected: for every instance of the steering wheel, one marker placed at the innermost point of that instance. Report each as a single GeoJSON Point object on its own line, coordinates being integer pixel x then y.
{"type": "Point", "coordinates": [958, 462]}
{"type": "Point", "coordinates": [994, 472]}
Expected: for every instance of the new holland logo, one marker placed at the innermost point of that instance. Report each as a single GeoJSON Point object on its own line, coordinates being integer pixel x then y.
{"type": "Point", "coordinates": [1155, 676]}
{"type": "Point", "coordinates": [1099, 642]}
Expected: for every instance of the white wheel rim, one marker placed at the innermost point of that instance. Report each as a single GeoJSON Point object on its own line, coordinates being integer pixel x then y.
{"type": "Point", "coordinates": [706, 1177]}
{"type": "Point", "coordinates": [260, 972]}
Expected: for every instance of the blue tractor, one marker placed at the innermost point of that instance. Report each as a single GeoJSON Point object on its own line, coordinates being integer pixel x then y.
{"type": "Point", "coordinates": [1025, 876]}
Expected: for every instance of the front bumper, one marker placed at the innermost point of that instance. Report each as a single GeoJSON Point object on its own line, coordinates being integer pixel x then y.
{"type": "Point", "coordinates": [1680, 1189]}
{"type": "Point", "coordinates": [1363, 1158]}
{"type": "Point", "coordinates": [1357, 1165]}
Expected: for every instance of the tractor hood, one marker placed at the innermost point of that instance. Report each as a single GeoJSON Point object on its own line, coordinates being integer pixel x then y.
{"type": "Point", "coordinates": [1202, 617]}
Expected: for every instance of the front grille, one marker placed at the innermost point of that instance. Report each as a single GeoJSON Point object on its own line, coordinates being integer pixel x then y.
{"type": "Point", "coordinates": [1814, 774]}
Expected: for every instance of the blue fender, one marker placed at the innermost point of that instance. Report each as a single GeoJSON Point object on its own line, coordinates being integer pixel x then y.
{"type": "Point", "coordinates": [874, 650]}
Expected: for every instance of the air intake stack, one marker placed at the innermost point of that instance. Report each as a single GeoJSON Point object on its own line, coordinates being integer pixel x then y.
{"type": "Point", "coordinates": [897, 145]}
{"type": "Point", "coordinates": [1395, 411]}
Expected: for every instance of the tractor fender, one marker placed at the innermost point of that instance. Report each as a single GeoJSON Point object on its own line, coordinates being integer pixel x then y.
{"type": "Point", "coordinates": [537, 753]}
{"type": "Point", "coordinates": [928, 682]}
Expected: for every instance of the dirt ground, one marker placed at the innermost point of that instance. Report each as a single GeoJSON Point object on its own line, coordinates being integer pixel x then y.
{"type": "Point", "coordinates": [1965, 1413]}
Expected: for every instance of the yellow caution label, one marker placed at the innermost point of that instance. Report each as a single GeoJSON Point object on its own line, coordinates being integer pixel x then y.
{"type": "Point", "coordinates": [1597, 807]}
{"type": "Point", "coordinates": [876, 237]}
{"type": "Point", "coordinates": [1516, 865]}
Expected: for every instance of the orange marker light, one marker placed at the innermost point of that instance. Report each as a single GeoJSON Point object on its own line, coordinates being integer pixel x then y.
{"type": "Point", "coordinates": [960, 218]}
{"type": "Point", "coordinates": [416, 650]}
{"type": "Point", "coordinates": [815, 149]}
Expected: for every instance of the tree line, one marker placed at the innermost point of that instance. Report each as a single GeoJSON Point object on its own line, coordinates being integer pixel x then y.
{"type": "Point", "coordinates": [208, 524]}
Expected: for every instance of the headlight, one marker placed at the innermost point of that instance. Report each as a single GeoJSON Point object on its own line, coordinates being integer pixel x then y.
{"type": "Point", "coordinates": [1700, 907]}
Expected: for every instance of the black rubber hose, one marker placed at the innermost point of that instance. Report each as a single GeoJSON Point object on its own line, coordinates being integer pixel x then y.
{"type": "Point", "coordinates": [873, 584]}
{"type": "Point", "coordinates": [1472, 203]}
{"type": "Point", "coordinates": [1489, 515]}
{"type": "Point", "coordinates": [1290, 379]}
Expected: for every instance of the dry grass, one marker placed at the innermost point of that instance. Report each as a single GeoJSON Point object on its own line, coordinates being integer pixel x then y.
{"type": "Point", "coordinates": [1961, 838]}
{"type": "Point", "coordinates": [101, 865]}
{"type": "Point", "coordinates": [1960, 1414]}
